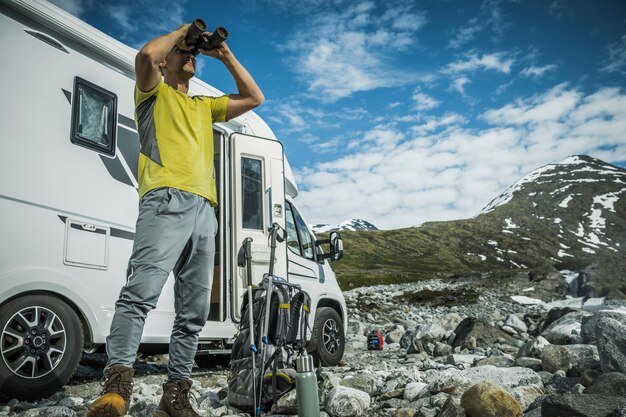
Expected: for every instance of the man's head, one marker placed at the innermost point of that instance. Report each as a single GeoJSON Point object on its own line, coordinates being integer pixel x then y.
{"type": "Point", "coordinates": [179, 64]}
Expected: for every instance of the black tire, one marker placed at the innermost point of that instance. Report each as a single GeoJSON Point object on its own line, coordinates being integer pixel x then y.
{"type": "Point", "coordinates": [212, 361]}
{"type": "Point", "coordinates": [330, 340]}
{"type": "Point", "coordinates": [41, 341]}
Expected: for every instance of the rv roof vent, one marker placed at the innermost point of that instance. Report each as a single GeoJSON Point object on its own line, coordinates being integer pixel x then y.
{"type": "Point", "coordinates": [47, 39]}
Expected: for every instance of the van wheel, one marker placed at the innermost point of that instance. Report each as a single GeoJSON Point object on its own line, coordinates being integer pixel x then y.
{"type": "Point", "coordinates": [41, 340]}
{"type": "Point", "coordinates": [329, 337]}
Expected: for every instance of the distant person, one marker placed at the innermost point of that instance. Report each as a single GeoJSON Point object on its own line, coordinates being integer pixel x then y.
{"type": "Point", "coordinates": [176, 226]}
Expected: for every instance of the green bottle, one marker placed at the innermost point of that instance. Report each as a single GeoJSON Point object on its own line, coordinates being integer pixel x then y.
{"type": "Point", "coordinates": [306, 387]}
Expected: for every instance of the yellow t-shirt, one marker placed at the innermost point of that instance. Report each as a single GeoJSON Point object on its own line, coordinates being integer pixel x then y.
{"type": "Point", "coordinates": [176, 135]}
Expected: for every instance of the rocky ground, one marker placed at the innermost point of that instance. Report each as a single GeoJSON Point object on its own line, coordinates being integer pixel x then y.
{"type": "Point", "coordinates": [455, 347]}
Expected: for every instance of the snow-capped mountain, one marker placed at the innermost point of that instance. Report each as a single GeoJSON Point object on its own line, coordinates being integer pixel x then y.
{"type": "Point", "coordinates": [584, 199]}
{"type": "Point", "coordinates": [570, 216]}
{"type": "Point", "coordinates": [352, 224]}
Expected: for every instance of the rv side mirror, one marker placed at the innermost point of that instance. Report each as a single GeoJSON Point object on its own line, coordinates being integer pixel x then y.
{"type": "Point", "coordinates": [336, 247]}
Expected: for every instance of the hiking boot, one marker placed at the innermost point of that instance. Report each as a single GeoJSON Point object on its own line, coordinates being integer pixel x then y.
{"type": "Point", "coordinates": [115, 397]}
{"type": "Point", "coordinates": [175, 400]}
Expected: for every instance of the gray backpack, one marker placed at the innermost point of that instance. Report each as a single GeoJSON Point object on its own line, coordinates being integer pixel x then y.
{"type": "Point", "coordinates": [280, 312]}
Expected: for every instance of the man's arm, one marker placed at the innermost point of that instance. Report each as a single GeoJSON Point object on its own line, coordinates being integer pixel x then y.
{"type": "Point", "coordinates": [147, 72]}
{"type": "Point", "coordinates": [249, 94]}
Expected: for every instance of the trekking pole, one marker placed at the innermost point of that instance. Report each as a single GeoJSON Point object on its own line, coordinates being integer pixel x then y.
{"type": "Point", "coordinates": [247, 247]}
{"type": "Point", "coordinates": [274, 236]}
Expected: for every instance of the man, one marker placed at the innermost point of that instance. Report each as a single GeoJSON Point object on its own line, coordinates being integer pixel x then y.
{"type": "Point", "coordinates": [176, 225]}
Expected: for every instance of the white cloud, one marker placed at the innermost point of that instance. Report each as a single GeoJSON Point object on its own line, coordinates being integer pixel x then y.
{"type": "Point", "coordinates": [496, 62]}
{"type": "Point", "coordinates": [550, 106]}
{"type": "Point", "coordinates": [489, 17]}
{"type": "Point", "coordinates": [424, 101]}
{"type": "Point", "coordinates": [616, 62]}
{"type": "Point", "coordinates": [338, 54]}
{"type": "Point", "coordinates": [538, 72]}
{"type": "Point", "coordinates": [458, 84]}
{"type": "Point", "coordinates": [439, 169]}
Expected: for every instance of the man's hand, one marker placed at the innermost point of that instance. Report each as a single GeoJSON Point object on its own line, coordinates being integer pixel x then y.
{"type": "Point", "coordinates": [219, 52]}
{"type": "Point", "coordinates": [184, 29]}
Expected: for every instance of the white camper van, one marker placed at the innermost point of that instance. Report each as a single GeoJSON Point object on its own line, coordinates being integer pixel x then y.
{"type": "Point", "coordinates": [68, 205]}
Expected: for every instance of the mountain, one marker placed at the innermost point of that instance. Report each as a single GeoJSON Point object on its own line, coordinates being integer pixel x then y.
{"type": "Point", "coordinates": [352, 224]}
{"type": "Point", "coordinates": [570, 216]}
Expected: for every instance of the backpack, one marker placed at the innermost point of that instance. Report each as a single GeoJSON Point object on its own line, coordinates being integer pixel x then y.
{"type": "Point", "coordinates": [280, 311]}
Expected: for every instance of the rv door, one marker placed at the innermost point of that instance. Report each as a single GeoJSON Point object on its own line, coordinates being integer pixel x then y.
{"type": "Point", "coordinates": [257, 201]}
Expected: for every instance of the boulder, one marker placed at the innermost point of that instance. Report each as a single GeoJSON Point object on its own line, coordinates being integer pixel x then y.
{"type": "Point", "coordinates": [516, 323]}
{"type": "Point", "coordinates": [532, 363]}
{"type": "Point", "coordinates": [365, 382]}
{"type": "Point", "coordinates": [590, 323]}
{"type": "Point", "coordinates": [526, 394]}
{"type": "Point", "coordinates": [451, 409]}
{"type": "Point", "coordinates": [613, 383]}
{"type": "Point", "coordinates": [556, 313]}
{"type": "Point", "coordinates": [395, 335]}
{"type": "Point", "coordinates": [565, 330]}
{"type": "Point", "coordinates": [560, 383]}
{"type": "Point", "coordinates": [412, 390]}
{"type": "Point", "coordinates": [584, 405]}
{"type": "Point", "coordinates": [483, 333]}
{"type": "Point", "coordinates": [500, 361]}
{"type": "Point", "coordinates": [533, 348]}
{"type": "Point", "coordinates": [504, 377]}
{"type": "Point", "coordinates": [573, 359]}
{"type": "Point", "coordinates": [347, 402]}
{"type": "Point", "coordinates": [611, 341]}
{"type": "Point", "coordinates": [287, 404]}
{"type": "Point", "coordinates": [489, 400]}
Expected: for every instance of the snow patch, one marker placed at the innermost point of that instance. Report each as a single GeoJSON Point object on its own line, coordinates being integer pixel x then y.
{"type": "Point", "coordinates": [522, 299]}
{"type": "Point", "coordinates": [566, 201]}
{"type": "Point", "coordinates": [510, 224]}
{"type": "Point", "coordinates": [562, 253]}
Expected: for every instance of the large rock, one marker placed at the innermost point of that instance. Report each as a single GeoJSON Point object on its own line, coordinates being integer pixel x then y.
{"type": "Point", "coordinates": [556, 313]}
{"type": "Point", "coordinates": [439, 329]}
{"type": "Point", "coordinates": [611, 341]}
{"type": "Point", "coordinates": [453, 381]}
{"type": "Point", "coordinates": [489, 400]}
{"type": "Point", "coordinates": [533, 348]}
{"type": "Point", "coordinates": [364, 382]}
{"type": "Point", "coordinates": [590, 323]}
{"type": "Point", "coordinates": [584, 405]}
{"type": "Point", "coordinates": [505, 377]}
{"type": "Point", "coordinates": [412, 390]}
{"type": "Point", "coordinates": [613, 383]}
{"type": "Point", "coordinates": [526, 394]}
{"type": "Point", "coordinates": [287, 404]}
{"type": "Point", "coordinates": [516, 323]}
{"type": "Point", "coordinates": [451, 409]}
{"type": "Point", "coordinates": [565, 330]}
{"type": "Point", "coordinates": [347, 402]}
{"type": "Point", "coordinates": [573, 359]}
{"type": "Point", "coordinates": [484, 334]}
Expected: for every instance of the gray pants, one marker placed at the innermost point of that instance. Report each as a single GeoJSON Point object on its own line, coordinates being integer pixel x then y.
{"type": "Point", "coordinates": [175, 232]}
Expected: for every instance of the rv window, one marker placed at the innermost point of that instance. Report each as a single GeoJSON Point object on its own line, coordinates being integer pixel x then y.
{"type": "Point", "coordinates": [252, 190]}
{"type": "Point", "coordinates": [94, 117]}
{"type": "Point", "coordinates": [293, 243]}
{"type": "Point", "coordinates": [307, 243]}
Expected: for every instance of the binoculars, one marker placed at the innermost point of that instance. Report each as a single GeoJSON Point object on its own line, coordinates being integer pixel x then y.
{"type": "Point", "coordinates": [195, 38]}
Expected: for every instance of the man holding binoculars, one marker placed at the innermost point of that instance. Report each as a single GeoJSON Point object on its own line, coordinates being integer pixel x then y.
{"type": "Point", "coordinates": [176, 225]}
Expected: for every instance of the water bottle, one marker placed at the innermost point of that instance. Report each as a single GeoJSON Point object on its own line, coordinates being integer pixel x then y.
{"type": "Point", "coordinates": [306, 387]}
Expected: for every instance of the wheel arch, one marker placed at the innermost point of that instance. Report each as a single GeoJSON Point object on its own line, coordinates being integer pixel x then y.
{"type": "Point", "coordinates": [87, 331]}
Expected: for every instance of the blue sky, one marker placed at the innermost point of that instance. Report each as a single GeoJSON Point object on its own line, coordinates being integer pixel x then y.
{"type": "Point", "coordinates": [401, 112]}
